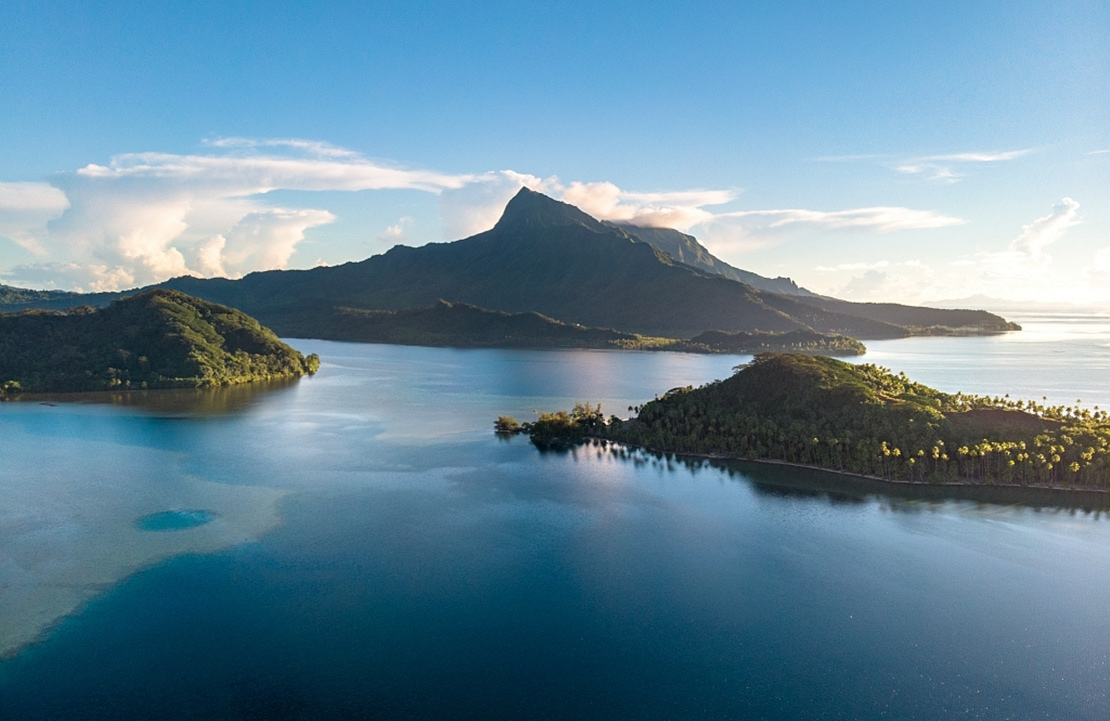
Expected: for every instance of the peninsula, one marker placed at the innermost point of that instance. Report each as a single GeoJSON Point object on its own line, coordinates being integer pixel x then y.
{"type": "Point", "coordinates": [155, 339]}
{"type": "Point", "coordinates": [860, 419]}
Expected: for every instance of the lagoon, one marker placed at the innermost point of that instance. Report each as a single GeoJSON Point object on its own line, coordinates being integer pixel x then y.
{"type": "Point", "coordinates": [373, 550]}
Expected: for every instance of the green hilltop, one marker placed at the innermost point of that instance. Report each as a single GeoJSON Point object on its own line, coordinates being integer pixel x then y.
{"type": "Point", "coordinates": [861, 419]}
{"type": "Point", "coordinates": [155, 339]}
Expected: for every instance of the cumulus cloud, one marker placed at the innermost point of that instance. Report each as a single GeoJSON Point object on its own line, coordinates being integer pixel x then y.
{"type": "Point", "coordinates": [146, 217]}
{"type": "Point", "coordinates": [25, 209]}
{"type": "Point", "coordinates": [395, 234]}
{"type": "Point", "coordinates": [1045, 231]}
{"type": "Point", "coordinates": [679, 209]}
{"type": "Point", "coordinates": [476, 206]}
{"type": "Point", "coordinates": [1025, 263]}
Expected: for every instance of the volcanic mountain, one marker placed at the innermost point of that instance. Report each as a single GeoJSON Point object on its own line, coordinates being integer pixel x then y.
{"type": "Point", "coordinates": [549, 257]}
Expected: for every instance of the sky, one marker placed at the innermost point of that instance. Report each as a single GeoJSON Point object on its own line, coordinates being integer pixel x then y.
{"type": "Point", "coordinates": [910, 152]}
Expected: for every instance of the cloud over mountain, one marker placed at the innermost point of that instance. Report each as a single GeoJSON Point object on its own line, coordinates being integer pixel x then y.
{"type": "Point", "coordinates": [145, 217]}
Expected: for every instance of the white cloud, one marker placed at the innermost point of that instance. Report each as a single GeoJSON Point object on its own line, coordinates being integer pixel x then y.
{"type": "Point", "coordinates": [237, 175]}
{"type": "Point", "coordinates": [1024, 265]}
{"type": "Point", "coordinates": [26, 208]}
{"type": "Point", "coordinates": [678, 209]}
{"type": "Point", "coordinates": [979, 157]}
{"type": "Point", "coordinates": [267, 238]}
{"type": "Point", "coordinates": [1045, 231]}
{"type": "Point", "coordinates": [878, 219]}
{"type": "Point", "coordinates": [866, 285]}
{"type": "Point", "coordinates": [315, 147]}
{"type": "Point", "coordinates": [146, 217]}
{"type": "Point", "coordinates": [477, 205]}
{"type": "Point", "coordinates": [395, 234]}
{"type": "Point", "coordinates": [940, 167]}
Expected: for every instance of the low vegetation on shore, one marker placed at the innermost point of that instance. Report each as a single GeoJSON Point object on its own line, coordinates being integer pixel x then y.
{"type": "Point", "coordinates": [155, 339]}
{"type": "Point", "coordinates": [861, 419]}
{"type": "Point", "coordinates": [462, 325]}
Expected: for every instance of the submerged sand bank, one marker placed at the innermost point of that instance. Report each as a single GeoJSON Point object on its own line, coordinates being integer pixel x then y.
{"type": "Point", "coordinates": [61, 546]}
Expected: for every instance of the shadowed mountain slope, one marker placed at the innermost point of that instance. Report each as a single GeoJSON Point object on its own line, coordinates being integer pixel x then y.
{"type": "Point", "coordinates": [549, 257]}
{"type": "Point", "coordinates": [463, 326]}
{"type": "Point", "coordinates": [686, 249]}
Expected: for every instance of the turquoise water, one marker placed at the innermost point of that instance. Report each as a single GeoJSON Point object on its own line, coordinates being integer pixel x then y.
{"type": "Point", "coordinates": [174, 520]}
{"type": "Point", "coordinates": [374, 551]}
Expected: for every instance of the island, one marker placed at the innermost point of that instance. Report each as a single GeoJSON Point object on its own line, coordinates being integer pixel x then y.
{"type": "Point", "coordinates": [154, 339]}
{"type": "Point", "coordinates": [461, 325]}
{"type": "Point", "coordinates": [859, 419]}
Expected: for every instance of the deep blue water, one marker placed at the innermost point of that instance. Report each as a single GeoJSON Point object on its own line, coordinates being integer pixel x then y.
{"type": "Point", "coordinates": [420, 567]}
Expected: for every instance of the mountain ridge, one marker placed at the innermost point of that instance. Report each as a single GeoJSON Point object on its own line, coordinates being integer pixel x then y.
{"type": "Point", "coordinates": [551, 258]}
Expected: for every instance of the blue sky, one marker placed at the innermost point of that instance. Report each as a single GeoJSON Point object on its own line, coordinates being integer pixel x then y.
{"type": "Point", "coordinates": [876, 151]}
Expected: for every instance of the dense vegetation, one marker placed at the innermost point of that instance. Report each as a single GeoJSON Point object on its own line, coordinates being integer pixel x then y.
{"type": "Point", "coordinates": [17, 299]}
{"type": "Point", "coordinates": [156, 339]}
{"type": "Point", "coordinates": [465, 326]}
{"type": "Point", "coordinates": [796, 341]}
{"type": "Point", "coordinates": [866, 420]}
{"type": "Point", "coordinates": [558, 427]}
{"type": "Point", "coordinates": [550, 258]}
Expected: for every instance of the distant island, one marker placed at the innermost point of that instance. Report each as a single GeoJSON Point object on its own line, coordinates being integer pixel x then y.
{"type": "Point", "coordinates": [461, 325]}
{"type": "Point", "coordinates": [554, 269]}
{"type": "Point", "coordinates": [860, 419]}
{"type": "Point", "coordinates": [155, 339]}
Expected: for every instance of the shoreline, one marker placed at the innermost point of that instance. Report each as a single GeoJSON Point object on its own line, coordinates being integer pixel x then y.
{"type": "Point", "coordinates": [1088, 498]}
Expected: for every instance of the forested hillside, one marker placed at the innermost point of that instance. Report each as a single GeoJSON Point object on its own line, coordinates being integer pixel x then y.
{"type": "Point", "coordinates": [156, 339]}
{"type": "Point", "coordinates": [866, 420]}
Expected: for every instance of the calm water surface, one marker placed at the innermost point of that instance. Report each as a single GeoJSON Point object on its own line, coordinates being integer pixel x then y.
{"type": "Point", "coordinates": [370, 550]}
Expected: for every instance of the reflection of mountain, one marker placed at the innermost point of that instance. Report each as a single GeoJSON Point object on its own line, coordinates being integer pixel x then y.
{"type": "Point", "coordinates": [188, 402]}
{"type": "Point", "coordinates": [548, 257]}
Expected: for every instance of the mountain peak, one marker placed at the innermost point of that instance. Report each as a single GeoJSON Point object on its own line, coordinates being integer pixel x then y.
{"type": "Point", "coordinates": [529, 210]}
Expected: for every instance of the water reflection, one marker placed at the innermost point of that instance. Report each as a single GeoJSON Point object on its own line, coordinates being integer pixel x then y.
{"type": "Point", "coordinates": [781, 480]}
{"type": "Point", "coordinates": [220, 400]}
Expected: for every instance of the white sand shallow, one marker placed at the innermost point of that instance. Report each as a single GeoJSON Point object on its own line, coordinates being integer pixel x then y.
{"type": "Point", "coordinates": [64, 539]}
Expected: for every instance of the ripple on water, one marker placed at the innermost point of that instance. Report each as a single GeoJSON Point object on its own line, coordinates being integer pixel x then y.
{"type": "Point", "coordinates": [174, 520]}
